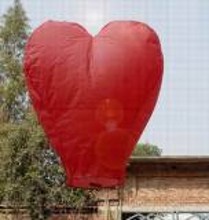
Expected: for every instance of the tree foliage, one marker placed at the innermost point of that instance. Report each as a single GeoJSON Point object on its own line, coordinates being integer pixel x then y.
{"type": "Point", "coordinates": [13, 34]}
{"type": "Point", "coordinates": [34, 177]}
{"type": "Point", "coordinates": [30, 174]}
{"type": "Point", "coordinates": [146, 150]}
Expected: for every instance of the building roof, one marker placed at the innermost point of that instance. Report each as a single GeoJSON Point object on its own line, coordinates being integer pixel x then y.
{"type": "Point", "coordinates": [169, 159]}
{"type": "Point", "coordinates": [169, 166]}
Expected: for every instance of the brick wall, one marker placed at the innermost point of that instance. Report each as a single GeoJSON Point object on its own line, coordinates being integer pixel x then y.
{"type": "Point", "coordinates": [166, 191]}
{"type": "Point", "coordinates": [58, 217]}
{"type": "Point", "coordinates": [163, 184]}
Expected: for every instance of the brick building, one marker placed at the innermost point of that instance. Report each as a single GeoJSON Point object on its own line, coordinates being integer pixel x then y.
{"type": "Point", "coordinates": [176, 187]}
{"type": "Point", "coordinates": [156, 188]}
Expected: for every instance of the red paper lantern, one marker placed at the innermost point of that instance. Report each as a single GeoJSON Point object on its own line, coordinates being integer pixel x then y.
{"type": "Point", "coordinates": [94, 95]}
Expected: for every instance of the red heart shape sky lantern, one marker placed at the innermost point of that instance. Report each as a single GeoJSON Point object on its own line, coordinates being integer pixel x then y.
{"type": "Point", "coordinates": [94, 95]}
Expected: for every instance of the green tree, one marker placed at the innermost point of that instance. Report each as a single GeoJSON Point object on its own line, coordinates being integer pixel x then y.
{"type": "Point", "coordinates": [30, 174]}
{"type": "Point", "coordinates": [13, 34]}
{"type": "Point", "coordinates": [34, 177]}
{"type": "Point", "coordinates": [146, 150]}
{"type": "Point", "coordinates": [14, 30]}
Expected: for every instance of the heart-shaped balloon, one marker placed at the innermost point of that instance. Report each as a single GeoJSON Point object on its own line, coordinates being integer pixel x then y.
{"type": "Point", "coordinates": [94, 95]}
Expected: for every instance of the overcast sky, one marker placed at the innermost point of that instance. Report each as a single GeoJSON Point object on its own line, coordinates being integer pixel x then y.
{"type": "Point", "coordinates": [180, 123]}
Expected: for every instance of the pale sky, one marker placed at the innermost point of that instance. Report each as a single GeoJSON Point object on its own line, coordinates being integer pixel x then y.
{"type": "Point", "coordinates": [180, 123]}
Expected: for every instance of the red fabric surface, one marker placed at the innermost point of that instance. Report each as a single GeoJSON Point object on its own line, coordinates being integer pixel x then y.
{"type": "Point", "coordinates": [93, 95]}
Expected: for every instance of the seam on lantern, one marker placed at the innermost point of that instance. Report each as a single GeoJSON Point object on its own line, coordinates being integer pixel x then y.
{"type": "Point", "coordinates": [89, 59]}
